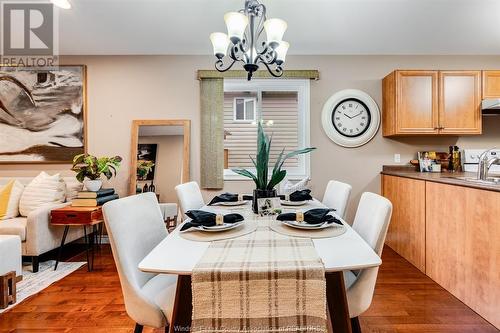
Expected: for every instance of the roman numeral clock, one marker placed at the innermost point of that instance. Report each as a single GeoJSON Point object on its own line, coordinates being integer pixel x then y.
{"type": "Point", "coordinates": [350, 118]}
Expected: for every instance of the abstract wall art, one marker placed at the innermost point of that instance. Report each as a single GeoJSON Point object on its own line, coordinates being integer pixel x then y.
{"type": "Point", "coordinates": [42, 114]}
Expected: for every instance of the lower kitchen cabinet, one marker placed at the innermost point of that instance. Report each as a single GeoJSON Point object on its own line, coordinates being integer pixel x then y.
{"type": "Point", "coordinates": [463, 245]}
{"type": "Point", "coordinates": [406, 233]}
{"type": "Point", "coordinates": [452, 234]}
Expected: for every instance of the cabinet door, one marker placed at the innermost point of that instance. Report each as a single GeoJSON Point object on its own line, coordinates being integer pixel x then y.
{"type": "Point", "coordinates": [417, 102]}
{"type": "Point", "coordinates": [406, 233]}
{"type": "Point", "coordinates": [460, 102]}
{"type": "Point", "coordinates": [463, 248]}
{"type": "Point", "coordinates": [491, 84]}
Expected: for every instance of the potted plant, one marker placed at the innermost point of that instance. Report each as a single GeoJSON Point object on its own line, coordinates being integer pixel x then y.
{"type": "Point", "coordinates": [265, 185]}
{"type": "Point", "coordinates": [144, 168]}
{"type": "Point", "coordinates": [89, 169]}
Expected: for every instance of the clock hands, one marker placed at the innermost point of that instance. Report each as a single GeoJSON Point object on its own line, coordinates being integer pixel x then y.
{"type": "Point", "coordinates": [345, 114]}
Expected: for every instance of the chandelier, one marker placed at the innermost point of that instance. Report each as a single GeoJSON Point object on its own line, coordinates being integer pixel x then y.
{"type": "Point", "coordinates": [244, 41]}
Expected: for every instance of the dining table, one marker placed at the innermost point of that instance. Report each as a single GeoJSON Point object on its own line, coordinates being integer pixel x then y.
{"type": "Point", "coordinates": [346, 252]}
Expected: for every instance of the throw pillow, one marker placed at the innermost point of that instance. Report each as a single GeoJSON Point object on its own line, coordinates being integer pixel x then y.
{"type": "Point", "coordinates": [73, 186]}
{"type": "Point", "coordinates": [42, 190]}
{"type": "Point", "coordinates": [9, 199]}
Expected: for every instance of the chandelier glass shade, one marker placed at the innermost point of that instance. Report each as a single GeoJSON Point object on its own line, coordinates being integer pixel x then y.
{"type": "Point", "coordinates": [245, 42]}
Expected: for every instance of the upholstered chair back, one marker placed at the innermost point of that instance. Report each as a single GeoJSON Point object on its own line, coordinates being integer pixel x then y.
{"type": "Point", "coordinates": [135, 226]}
{"type": "Point", "coordinates": [337, 196]}
{"type": "Point", "coordinates": [189, 196]}
{"type": "Point", "coordinates": [371, 223]}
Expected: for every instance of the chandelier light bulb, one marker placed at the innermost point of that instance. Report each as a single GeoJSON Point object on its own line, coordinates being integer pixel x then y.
{"type": "Point", "coordinates": [246, 43]}
{"type": "Point", "coordinates": [64, 4]}
{"type": "Point", "coordinates": [236, 25]}
{"type": "Point", "coordinates": [281, 51]}
{"type": "Point", "coordinates": [275, 29]}
{"type": "Point", "coordinates": [220, 43]}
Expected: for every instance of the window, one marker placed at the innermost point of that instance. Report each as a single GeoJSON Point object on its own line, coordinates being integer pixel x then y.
{"type": "Point", "coordinates": [245, 108]}
{"type": "Point", "coordinates": [283, 108]}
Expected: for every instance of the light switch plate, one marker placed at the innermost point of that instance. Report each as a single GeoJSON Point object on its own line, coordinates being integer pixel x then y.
{"type": "Point", "coordinates": [397, 158]}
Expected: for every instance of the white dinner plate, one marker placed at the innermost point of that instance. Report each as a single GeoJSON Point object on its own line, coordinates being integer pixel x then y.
{"type": "Point", "coordinates": [293, 203]}
{"type": "Point", "coordinates": [232, 203]}
{"type": "Point", "coordinates": [222, 227]}
{"type": "Point", "coordinates": [307, 226]}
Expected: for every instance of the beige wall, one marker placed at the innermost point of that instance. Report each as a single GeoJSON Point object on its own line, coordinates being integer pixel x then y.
{"type": "Point", "coordinates": [123, 88]}
{"type": "Point", "coordinates": [168, 169]}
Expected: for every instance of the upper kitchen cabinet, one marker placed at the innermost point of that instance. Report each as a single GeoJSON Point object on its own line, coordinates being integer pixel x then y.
{"type": "Point", "coordinates": [460, 102]}
{"type": "Point", "coordinates": [410, 103]}
{"type": "Point", "coordinates": [431, 103]}
{"type": "Point", "coordinates": [491, 84]}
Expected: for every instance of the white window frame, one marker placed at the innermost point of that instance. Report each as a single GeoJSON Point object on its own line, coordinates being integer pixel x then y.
{"type": "Point", "coordinates": [245, 100]}
{"type": "Point", "coordinates": [302, 87]}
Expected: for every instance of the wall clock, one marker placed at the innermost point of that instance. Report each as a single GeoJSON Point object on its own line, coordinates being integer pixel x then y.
{"type": "Point", "coordinates": [350, 118]}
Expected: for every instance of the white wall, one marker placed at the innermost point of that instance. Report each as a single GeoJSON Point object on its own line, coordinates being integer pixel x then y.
{"type": "Point", "coordinates": [123, 88]}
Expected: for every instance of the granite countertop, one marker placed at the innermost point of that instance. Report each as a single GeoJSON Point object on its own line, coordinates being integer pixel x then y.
{"type": "Point", "coordinates": [443, 177]}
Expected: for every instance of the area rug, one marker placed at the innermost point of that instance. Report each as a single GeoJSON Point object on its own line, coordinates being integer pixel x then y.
{"type": "Point", "coordinates": [33, 283]}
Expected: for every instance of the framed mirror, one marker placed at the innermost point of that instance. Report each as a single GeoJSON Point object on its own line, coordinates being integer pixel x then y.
{"type": "Point", "coordinates": [160, 153]}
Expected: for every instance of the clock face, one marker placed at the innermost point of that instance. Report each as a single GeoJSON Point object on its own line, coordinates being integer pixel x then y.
{"type": "Point", "coordinates": [351, 117]}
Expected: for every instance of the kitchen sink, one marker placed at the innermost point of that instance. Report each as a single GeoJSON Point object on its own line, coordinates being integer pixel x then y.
{"type": "Point", "coordinates": [487, 181]}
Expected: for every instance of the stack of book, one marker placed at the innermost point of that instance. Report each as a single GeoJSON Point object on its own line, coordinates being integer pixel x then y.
{"type": "Point", "coordinates": [91, 199]}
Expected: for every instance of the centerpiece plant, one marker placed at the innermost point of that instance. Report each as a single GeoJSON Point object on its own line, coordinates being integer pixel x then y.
{"type": "Point", "coordinates": [264, 183]}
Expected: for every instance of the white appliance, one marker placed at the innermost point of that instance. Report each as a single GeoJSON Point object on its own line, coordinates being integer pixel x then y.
{"type": "Point", "coordinates": [470, 158]}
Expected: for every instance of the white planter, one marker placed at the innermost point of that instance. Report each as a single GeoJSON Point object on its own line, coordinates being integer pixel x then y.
{"type": "Point", "coordinates": [92, 185]}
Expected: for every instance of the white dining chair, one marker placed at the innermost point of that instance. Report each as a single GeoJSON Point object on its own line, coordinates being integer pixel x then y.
{"type": "Point", "coordinates": [189, 196]}
{"type": "Point", "coordinates": [337, 196]}
{"type": "Point", "coordinates": [371, 223]}
{"type": "Point", "coordinates": [135, 226]}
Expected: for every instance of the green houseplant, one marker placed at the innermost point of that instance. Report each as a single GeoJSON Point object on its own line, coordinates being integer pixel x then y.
{"type": "Point", "coordinates": [265, 184]}
{"type": "Point", "coordinates": [144, 168]}
{"type": "Point", "coordinates": [89, 169]}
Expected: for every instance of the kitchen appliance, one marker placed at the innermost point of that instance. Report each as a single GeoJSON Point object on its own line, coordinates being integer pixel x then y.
{"type": "Point", "coordinates": [470, 158]}
{"type": "Point", "coordinates": [491, 106]}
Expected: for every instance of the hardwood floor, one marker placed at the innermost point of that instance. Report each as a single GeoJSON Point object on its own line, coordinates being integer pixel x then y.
{"type": "Point", "coordinates": [405, 301]}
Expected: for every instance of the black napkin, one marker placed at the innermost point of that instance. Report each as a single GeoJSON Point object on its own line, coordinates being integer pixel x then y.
{"type": "Point", "coordinates": [228, 197]}
{"type": "Point", "coordinates": [207, 219]}
{"type": "Point", "coordinates": [299, 195]}
{"type": "Point", "coordinates": [312, 216]}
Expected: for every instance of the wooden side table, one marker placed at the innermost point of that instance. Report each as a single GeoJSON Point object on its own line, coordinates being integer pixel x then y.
{"type": "Point", "coordinates": [70, 216]}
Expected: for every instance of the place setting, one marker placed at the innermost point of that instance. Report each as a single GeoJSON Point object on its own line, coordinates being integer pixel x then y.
{"type": "Point", "coordinates": [230, 200]}
{"type": "Point", "coordinates": [205, 226]}
{"type": "Point", "coordinates": [313, 223]}
{"type": "Point", "coordinates": [297, 198]}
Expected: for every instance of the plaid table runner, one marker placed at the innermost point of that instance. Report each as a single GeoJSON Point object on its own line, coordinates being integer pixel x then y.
{"type": "Point", "coordinates": [261, 282]}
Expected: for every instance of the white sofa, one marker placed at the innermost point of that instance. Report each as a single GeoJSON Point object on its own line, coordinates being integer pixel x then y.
{"type": "Point", "coordinates": [36, 233]}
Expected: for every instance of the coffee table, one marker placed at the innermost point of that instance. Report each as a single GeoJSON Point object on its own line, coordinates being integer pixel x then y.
{"type": "Point", "coordinates": [86, 217]}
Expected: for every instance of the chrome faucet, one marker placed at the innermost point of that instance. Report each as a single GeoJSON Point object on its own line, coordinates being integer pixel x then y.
{"type": "Point", "coordinates": [485, 164]}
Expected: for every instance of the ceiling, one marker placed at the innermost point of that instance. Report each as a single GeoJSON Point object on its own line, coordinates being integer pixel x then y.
{"type": "Point", "coordinates": [319, 27]}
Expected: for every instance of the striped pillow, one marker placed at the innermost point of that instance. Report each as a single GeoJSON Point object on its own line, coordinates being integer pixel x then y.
{"type": "Point", "coordinates": [42, 190]}
{"type": "Point", "coordinates": [9, 199]}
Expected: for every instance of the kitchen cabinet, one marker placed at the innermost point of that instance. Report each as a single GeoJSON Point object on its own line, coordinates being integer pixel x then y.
{"type": "Point", "coordinates": [462, 245]}
{"type": "Point", "coordinates": [410, 103]}
{"type": "Point", "coordinates": [491, 84]}
{"type": "Point", "coordinates": [406, 234]}
{"type": "Point", "coordinates": [431, 103]}
{"type": "Point", "coordinates": [460, 102]}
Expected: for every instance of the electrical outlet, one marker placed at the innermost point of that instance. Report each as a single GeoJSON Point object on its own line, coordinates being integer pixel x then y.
{"type": "Point", "coordinates": [397, 158]}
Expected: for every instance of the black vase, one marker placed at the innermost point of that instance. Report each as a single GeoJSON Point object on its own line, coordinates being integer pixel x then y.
{"type": "Point", "coordinates": [260, 194]}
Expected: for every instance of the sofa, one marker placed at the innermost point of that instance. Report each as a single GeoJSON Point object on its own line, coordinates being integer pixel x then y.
{"type": "Point", "coordinates": [36, 234]}
{"type": "Point", "coordinates": [10, 268]}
